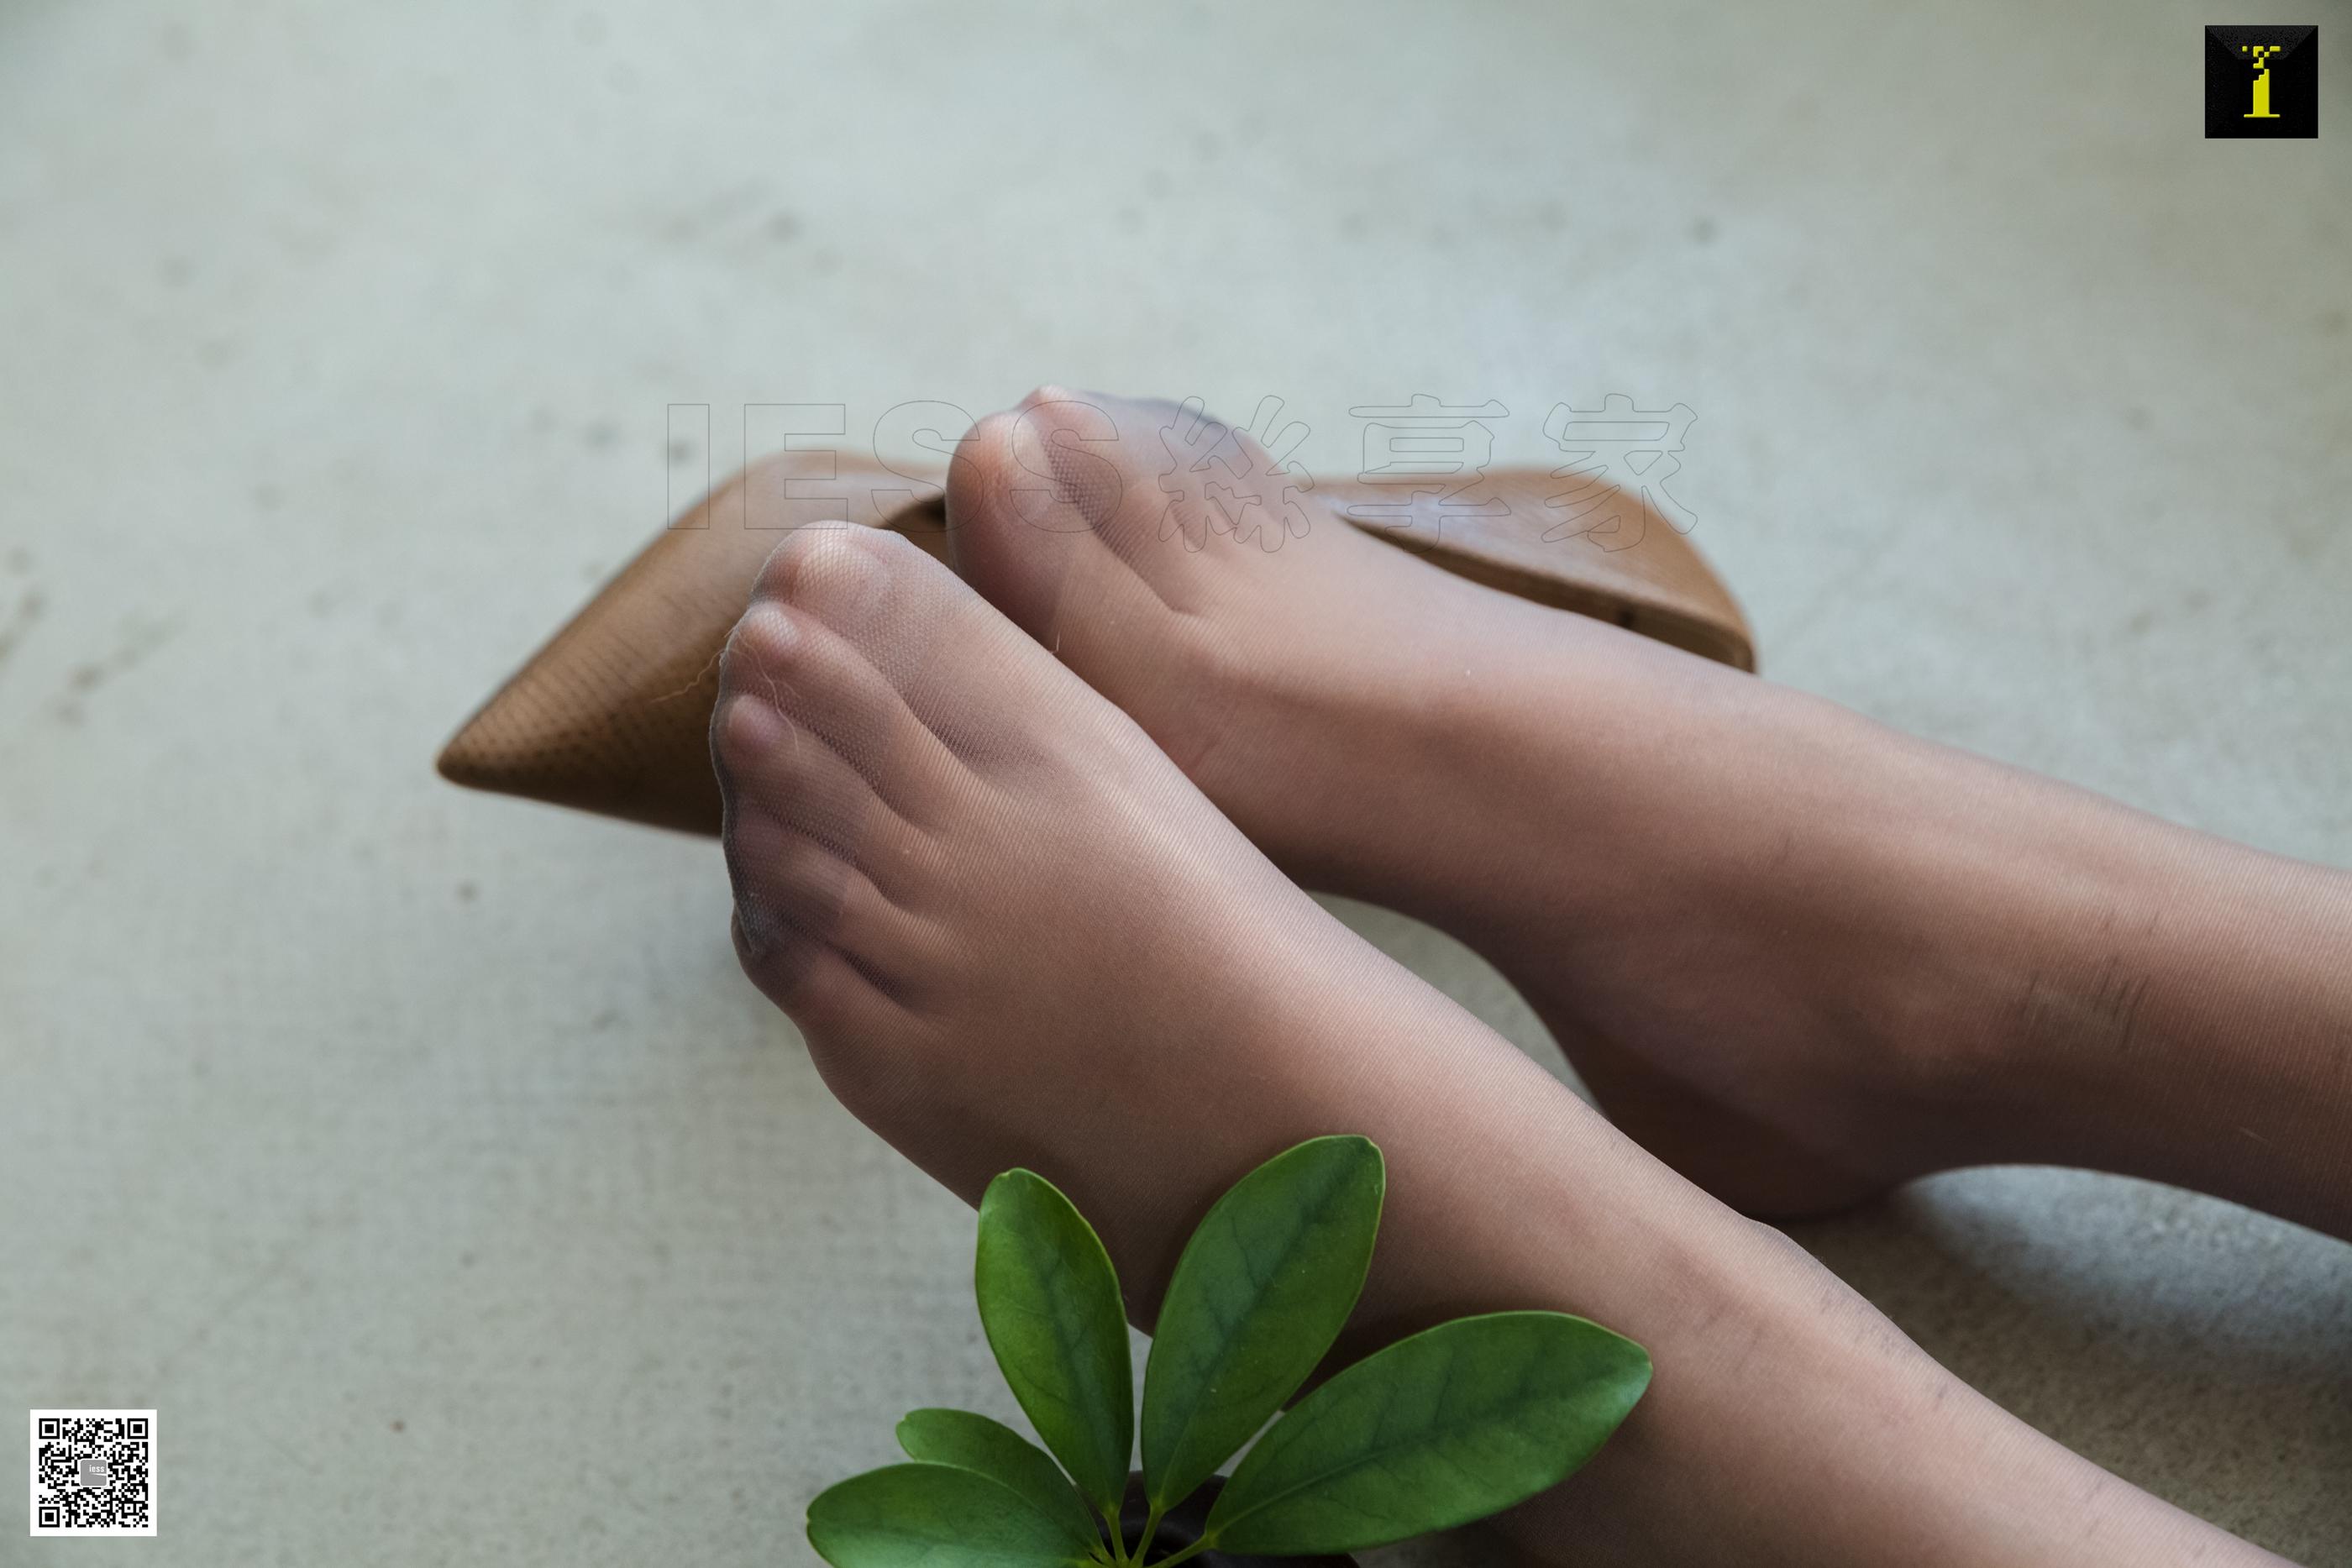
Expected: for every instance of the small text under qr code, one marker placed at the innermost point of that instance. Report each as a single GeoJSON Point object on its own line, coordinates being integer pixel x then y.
{"type": "Point", "coordinates": [93, 1472]}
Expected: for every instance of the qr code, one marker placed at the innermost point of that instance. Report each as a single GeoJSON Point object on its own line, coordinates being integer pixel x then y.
{"type": "Point", "coordinates": [93, 1472]}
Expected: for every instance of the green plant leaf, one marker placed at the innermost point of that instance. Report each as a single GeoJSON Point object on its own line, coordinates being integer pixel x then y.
{"type": "Point", "coordinates": [911, 1516]}
{"type": "Point", "coordinates": [1263, 1288]}
{"type": "Point", "coordinates": [1049, 1300]}
{"type": "Point", "coordinates": [993, 1449]}
{"type": "Point", "coordinates": [1448, 1426]}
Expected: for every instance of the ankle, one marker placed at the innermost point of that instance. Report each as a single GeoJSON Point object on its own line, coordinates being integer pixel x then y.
{"type": "Point", "coordinates": [1849, 1435]}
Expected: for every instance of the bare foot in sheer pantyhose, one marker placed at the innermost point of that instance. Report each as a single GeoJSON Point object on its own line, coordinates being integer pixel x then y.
{"type": "Point", "coordinates": [1797, 955]}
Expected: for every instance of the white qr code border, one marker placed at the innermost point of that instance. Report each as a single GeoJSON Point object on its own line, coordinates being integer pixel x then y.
{"type": "Point", "coordinates": [33, 1434]}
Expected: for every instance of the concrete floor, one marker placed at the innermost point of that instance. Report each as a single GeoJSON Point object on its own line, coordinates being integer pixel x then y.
{"type": "Point", "coordinates": [423, 1157]}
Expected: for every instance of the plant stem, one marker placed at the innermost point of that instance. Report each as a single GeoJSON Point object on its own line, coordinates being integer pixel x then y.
{"type": "Point", "coordinates": [1173, 1557]}
{"type": "Point", "coordinates": [1151, 1532]}
{"type": "Point", "coordinates": [1118, 1557]}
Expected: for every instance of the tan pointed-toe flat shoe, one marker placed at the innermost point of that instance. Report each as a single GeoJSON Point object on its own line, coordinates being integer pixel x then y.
{"type": "Point", "coordinates": [614, 714]}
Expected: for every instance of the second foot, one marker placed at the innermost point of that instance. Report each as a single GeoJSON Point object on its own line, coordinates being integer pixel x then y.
{"type": "Point", "coordinates": [1606, 819]}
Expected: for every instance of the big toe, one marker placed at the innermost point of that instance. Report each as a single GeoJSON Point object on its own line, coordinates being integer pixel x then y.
{"type": "Point", "coordinates": [1073, 506]}
{"type": "Point", "coordinates": [1033, 493]}
{"type": "Point", "coordinates": [909, 618]}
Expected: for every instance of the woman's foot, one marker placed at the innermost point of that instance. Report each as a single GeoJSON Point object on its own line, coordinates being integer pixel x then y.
{"type": "Point", "coordinates": [1575, 801]}
{"type": "Point", "coordinates": [1008, 928]}
{"type": "Point", "coordinates": [1013, 934]}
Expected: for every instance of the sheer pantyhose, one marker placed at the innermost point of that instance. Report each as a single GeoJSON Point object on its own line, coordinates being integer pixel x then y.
{"type": "Point", "coordinates": [1024, 917]}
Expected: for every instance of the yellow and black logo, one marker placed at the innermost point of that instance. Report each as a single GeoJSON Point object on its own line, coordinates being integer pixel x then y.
{"type": "Point", "coordinates": [2261, 81]}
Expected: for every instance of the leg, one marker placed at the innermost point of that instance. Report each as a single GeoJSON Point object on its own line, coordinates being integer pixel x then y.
{"type": "Point", "coordinates": [1013, 934]}
{"type": "Point", "coordinates": [1797, 955]}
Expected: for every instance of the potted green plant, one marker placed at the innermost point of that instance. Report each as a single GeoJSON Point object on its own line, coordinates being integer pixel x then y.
{"type": "Point", "coordinates": [1448, 1426]}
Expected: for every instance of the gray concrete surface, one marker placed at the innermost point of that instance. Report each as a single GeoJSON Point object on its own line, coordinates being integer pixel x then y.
{"type": "Point", "coordinates": [423, 1157]}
